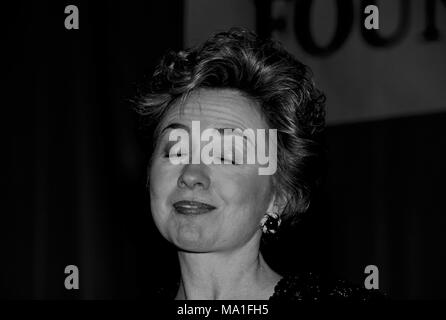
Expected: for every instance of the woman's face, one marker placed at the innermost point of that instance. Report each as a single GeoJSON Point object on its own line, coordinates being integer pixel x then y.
{"type": "Point", "coordinates": [208, 207]}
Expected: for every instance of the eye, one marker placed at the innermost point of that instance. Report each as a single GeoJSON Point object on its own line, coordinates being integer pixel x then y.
{"type": "Point", "coordinates": [178, 154]}
{"type": "Point", "coordinates": [231, 157]}
{"type": "Point", "coordinates": [232, 161]}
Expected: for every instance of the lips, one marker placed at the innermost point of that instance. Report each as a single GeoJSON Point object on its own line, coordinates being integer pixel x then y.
{"type": "Point", "coordinates": [192, 207]}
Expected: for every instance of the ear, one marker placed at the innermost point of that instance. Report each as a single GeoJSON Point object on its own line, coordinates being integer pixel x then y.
{"type": "Point", "coordinates": [278, 200]}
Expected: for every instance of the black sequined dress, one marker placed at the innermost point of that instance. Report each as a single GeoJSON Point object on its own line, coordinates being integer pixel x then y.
{"type": "Point", "coordinates": [311, 287]}
{"type": "Point", "coordinates": [306, 287]}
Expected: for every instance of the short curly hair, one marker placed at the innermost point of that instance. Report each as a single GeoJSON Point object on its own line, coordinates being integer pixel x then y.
{"type": "Point", "coordinates": [262, 70]}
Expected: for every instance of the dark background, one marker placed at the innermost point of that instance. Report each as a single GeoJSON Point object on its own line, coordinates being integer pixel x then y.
{"type": "Point", "coordinates": [75, 169]}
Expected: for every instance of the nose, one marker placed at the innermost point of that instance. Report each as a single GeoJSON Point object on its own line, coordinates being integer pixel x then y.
{"type": "Point", "coordinates": [194, 176]}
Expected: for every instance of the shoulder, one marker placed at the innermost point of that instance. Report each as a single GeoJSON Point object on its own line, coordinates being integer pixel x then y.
{"type": "Point", "coordinates": [312, 287]}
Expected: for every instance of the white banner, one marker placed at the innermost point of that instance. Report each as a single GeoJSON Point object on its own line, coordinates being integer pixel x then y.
{"type": "Point", "coordinates": [397, 70]}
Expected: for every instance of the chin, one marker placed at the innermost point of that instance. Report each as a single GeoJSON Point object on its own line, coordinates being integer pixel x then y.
{"type": "Point", "coordinates": [193, 241]}
{"type": "Point", "coordinates": [193, 246]}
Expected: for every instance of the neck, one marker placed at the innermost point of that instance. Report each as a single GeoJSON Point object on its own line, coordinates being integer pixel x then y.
{"type": "Point", "coordinates": [241, 273]}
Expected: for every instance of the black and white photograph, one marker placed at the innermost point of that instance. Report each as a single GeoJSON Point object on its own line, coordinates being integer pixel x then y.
{"type": "Point", "coordinates": [249, 152]}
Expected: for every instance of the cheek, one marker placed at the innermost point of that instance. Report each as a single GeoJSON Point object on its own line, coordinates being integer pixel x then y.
{"type": "Point", "coordinates": [247, 192]}
{"type": "Point", "coordinates": [163, 179]}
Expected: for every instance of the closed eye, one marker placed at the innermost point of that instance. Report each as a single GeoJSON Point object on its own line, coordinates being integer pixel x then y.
{"type": "Point", "coordinates": [224, 161]}
{"type": "Point", "coordinates": [178, 154]}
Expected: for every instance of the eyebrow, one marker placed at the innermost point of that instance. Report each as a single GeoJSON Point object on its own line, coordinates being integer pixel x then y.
{"type": "Point", "coordinates": [234, 131]}
{"type": "Point", "coordinates": [176, 126]}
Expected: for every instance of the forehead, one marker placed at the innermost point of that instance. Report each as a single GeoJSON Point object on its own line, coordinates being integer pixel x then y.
{"type": "Point", "coordinates": [223, 108]}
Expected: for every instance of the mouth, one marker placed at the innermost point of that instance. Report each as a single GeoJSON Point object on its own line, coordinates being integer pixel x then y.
{"type": "Point", "coordinates": [192, 207]}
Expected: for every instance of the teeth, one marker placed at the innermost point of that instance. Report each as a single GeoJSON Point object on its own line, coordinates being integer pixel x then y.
{"type": "Point", "coordinates": [186, 206]}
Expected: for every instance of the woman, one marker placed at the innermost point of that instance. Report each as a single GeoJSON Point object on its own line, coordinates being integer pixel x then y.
{"type": "Point", "coordinates": [216, 212]}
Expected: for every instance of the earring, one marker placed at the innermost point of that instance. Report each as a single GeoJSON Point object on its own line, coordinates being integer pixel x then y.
{"type": "Point", "coordinates": [271, 221]}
